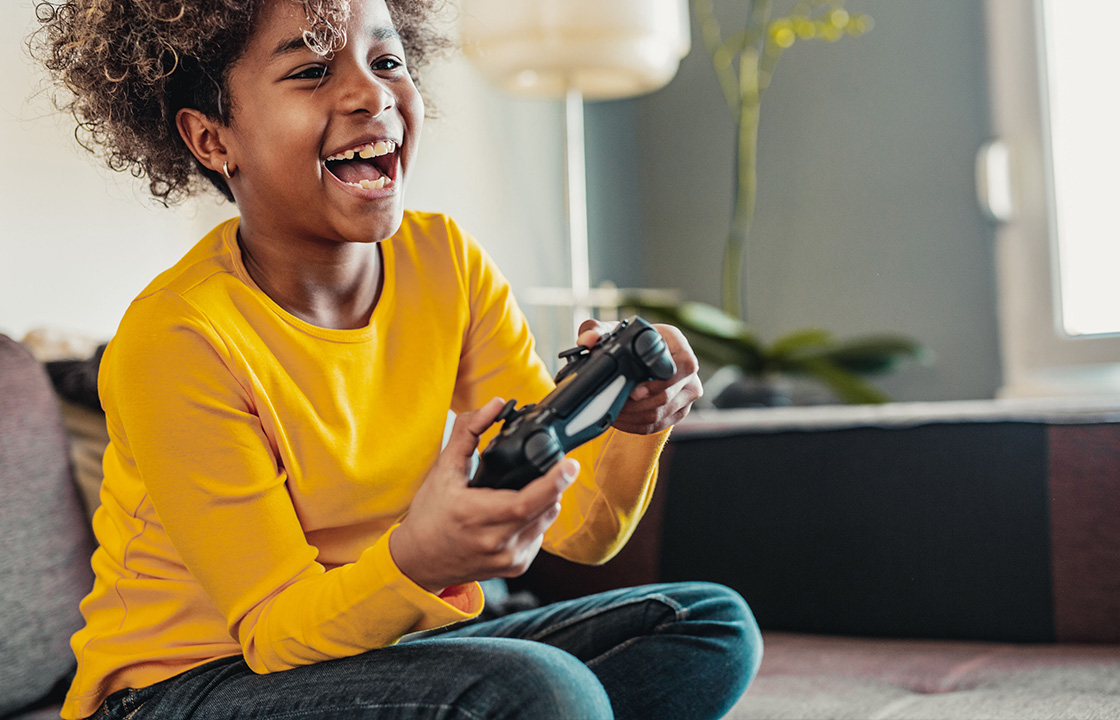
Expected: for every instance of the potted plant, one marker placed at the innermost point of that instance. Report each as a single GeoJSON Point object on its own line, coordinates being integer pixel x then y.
{"type": "Point", "coordinates": [750, 367]}
{"type": "Point", "coordinates": [744, 62]}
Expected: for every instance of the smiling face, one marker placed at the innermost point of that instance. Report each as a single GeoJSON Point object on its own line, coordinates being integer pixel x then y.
{"type": "Point", "coordinates": [321, 146]}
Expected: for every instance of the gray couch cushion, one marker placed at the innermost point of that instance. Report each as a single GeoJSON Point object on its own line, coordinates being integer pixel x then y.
{"type": "Point", "coordinates": [804, 677]}
{"type": "Point", "coordinates": [46, 543]}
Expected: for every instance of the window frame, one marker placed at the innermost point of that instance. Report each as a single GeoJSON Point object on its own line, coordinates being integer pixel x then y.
{"type": "Point", "coordinates": [1039, 357]}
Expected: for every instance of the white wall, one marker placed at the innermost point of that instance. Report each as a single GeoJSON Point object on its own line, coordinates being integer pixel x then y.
{"type": "Point", "coordinates": [78, 242]}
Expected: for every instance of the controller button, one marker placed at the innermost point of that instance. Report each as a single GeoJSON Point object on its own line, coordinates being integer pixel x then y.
{"type": "Point", "coordinates": [543, 450]}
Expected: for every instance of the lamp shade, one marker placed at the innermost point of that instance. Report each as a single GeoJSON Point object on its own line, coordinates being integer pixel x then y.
{"type": "Point", "coordinates": [600, 48]}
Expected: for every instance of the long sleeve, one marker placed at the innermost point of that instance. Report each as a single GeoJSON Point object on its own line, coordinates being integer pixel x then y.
{"type": "Point", "coordinates": [618, 470]}
{"type": "Point", "coordinates": [258, 464]}
{"type": "Point", "coordinates": [210, 471]}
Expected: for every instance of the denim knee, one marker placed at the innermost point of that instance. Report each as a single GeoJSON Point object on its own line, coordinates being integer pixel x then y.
{"type": "Point", "coordinates": [527, 679]}
{"type": "Point", "coordinates": [718, 606]}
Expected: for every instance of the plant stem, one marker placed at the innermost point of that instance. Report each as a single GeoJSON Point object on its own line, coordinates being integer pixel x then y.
{"type": "Point", "coordinates": [746, 183]}
{"type": "Point", "coordinates": [719, 51]}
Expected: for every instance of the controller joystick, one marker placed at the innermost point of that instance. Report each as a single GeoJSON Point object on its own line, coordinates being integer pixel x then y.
{"type": "Point", "coordinates": [510, 412]}
{"type": "Point", "coordinates": [590, 392]}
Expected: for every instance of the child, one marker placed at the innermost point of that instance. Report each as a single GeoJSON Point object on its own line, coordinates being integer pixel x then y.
{"type": "Point", "coordinates": [278, 520]}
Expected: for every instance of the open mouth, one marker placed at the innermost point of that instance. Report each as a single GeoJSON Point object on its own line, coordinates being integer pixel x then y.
{"type": "Point", "coordinates": [371, 166]}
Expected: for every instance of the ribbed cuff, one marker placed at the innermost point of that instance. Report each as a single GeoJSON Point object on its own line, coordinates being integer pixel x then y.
{"type": "Point", "coordinates": [456, 603]}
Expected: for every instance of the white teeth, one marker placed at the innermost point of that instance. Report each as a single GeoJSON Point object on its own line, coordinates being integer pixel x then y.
{"type": "Point", "coordinates": [370, 150]}
{"type": "Point", "coordinates": [381, 147]}
{"type": "Point", "coordinates": [371, 184]}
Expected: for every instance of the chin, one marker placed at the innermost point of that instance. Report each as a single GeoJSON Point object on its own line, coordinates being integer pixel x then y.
{"type": "Point", "coordinates": [378, 228]}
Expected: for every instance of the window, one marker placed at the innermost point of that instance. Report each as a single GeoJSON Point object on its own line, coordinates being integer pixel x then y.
{"type": "Point", "coordinates": [1058, 251]}
{"type": "Point", "coordinates": [1081, 58]}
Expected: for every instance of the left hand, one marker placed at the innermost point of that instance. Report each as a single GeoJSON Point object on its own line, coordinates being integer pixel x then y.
{"type": "Point", "coordinates": [658, 404]}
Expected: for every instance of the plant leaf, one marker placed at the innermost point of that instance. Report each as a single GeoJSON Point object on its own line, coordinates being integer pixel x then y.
{"type": "Point", "coordinates": [875, 354]}
{"type": "Point", "coordinates": [847, 386]}
{"type": "Point", "coordinates": [713, 321]}
{"type": "Point", "coordinates": [713, 334]}
{"type": "Point", "coordinates": [801, 340]}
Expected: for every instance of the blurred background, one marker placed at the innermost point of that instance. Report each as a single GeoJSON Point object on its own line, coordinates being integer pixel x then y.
{"type": "Point", "coordinates": [867, 220]}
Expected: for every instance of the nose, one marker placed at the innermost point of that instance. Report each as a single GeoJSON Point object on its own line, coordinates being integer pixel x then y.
{"type": "Point", "coordinates": [365, 92]}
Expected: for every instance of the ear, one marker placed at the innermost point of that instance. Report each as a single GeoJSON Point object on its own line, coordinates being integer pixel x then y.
{"type": "Point", "coordinates": [203, 136]}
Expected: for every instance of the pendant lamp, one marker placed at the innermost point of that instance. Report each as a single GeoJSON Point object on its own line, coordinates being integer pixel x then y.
{"type": "Point", "coordinates": [576, 50]}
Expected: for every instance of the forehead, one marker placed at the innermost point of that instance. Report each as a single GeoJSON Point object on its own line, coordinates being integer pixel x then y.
{"type": "Point", "coordinates": [282, 22]}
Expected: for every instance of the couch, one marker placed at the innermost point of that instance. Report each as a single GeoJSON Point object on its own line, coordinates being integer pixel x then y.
{"type": "Point", "coordinates": [943, 561]}
{"type": "Point", "coordinates": [914, 560]}
{"type": "Point", "coordinates": [45, 539]}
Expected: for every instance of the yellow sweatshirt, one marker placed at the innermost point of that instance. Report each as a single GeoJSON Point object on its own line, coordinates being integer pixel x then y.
{"type": "Point", "coordinates": [258, 463]}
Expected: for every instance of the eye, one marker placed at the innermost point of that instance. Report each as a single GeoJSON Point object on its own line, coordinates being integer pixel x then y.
{"type": "Point", "coordinates": [386, 63]}
{"type": "Point", "coordinates": [315, 72]}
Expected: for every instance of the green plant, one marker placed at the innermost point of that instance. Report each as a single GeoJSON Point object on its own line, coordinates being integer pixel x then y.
{"type": "Point", "coordinates": [840, 365]}
{"type": "Point", "coordinates": [744, 62]}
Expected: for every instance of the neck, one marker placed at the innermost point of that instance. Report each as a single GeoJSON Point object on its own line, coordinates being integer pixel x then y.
{"type": "Point", "coordinates": [328, 284]}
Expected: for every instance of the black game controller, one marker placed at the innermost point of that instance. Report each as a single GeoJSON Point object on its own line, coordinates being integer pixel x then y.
{"type": "Point", "coordinates": [590, 391]}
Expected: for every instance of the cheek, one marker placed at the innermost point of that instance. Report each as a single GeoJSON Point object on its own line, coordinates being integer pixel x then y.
{"type": "Point", "coordinates": [418, 108]}
{"type": "Point", "coordinates": [412, 108]}
{"type": "Point", "coordinates": [412, 113]}
{"type": "Point", "coordinates": [280, 135]}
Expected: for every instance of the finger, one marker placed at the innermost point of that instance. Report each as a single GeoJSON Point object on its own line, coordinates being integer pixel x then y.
{"type": "Point", "coordinates": [651, 389]}
{"type": "Point", "coordinates": [588, 325]}
{"type": "Point", "coordinates": [590, 331]}
{"type": "Point", "coordinates": [657, 394]}
{"type": "Point", "coordinates": [502, 543]}
{"type": "Point", "coordinates": [684, 393]}
{"type": "Point", "coordinates": [538, 525]}
{"type": "Point", "coordinates": [528, 502]}
{"type": "Point", "coordinates": [641, 427]}
{"type": "Point", "coordinates": [653, 420]}
{"type": "Point", "coordinates": [683, 357]}
{"type": "Point", "coordinates": [466, 431]}
{"type": "Point", "coordinates": [478, 421]}
{"type": "Point", "coordinates": [660, 411]}
{"type": "Point", "coordinates": [521, 559]}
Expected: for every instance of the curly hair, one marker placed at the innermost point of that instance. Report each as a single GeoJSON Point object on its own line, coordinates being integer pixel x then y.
{"type": "Point", "coordinates": [126, 67]}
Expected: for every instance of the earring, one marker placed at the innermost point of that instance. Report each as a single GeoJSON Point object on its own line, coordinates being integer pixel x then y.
{"type": "Point", "coordinates": [225, 170]}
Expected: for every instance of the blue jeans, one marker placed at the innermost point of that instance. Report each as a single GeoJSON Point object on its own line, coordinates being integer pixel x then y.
{"type": "Point", "coordinates": [677, 650]}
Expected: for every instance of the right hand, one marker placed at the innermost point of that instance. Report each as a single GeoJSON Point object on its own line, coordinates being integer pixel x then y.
{"type": "Point", "coordinates": [454, 534]}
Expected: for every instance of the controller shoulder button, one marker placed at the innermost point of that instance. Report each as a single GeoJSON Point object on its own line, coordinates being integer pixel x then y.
{"type": "Point", "coordinates": [575, 356]}
{"type": "Point", "coordinates": [573, 352]}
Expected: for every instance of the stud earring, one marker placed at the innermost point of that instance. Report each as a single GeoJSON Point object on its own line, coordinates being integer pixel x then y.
{"type": "Point", "coordinates": [225, 170]}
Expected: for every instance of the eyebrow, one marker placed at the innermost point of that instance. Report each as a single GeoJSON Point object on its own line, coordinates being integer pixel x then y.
{"type": "Point", "coordinates": [297, 43]}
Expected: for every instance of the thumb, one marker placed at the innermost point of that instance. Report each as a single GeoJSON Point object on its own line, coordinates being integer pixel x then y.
{"type": "Point", "coordinates": [466, 431]}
